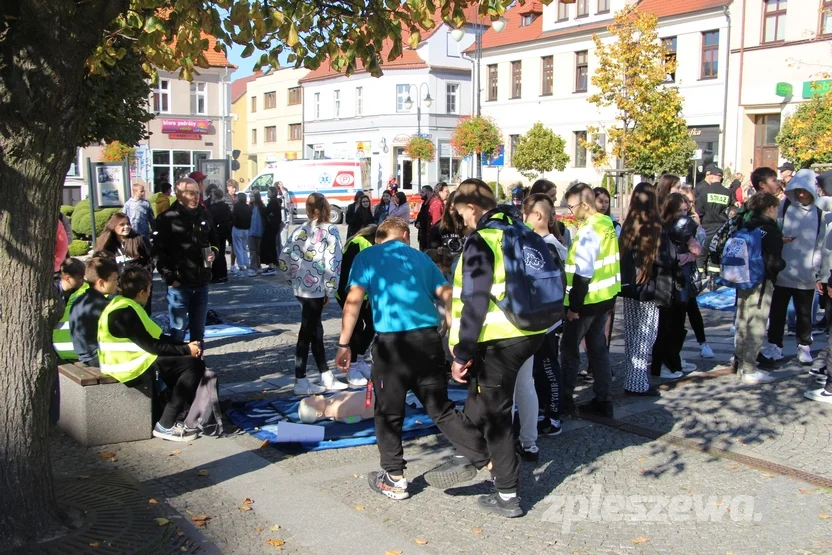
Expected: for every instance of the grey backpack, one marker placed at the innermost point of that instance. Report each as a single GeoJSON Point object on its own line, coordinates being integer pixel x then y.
{"type": "Point", "coordinates": [205, 413]}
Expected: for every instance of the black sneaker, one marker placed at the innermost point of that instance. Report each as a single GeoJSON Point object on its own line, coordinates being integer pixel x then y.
{"type": "Point", "coordinates": [765, 363]}
{"type": "Point", "coordinates": [381, 482]}
{"type": "Point", "coordinates": [817, 372]}
{"type": "Point", "coordinates": [493, 503]}
{"type": "Point", "coordinates": [598, 408]}
{"type": "Point", "coordinates": [528, 454]}
{"type": "Point", "coordinates": [549, 427]}
{"type": "Point", "coordinates": [651, 392]}
{"type": "Point", "coordinates": [450, 473]}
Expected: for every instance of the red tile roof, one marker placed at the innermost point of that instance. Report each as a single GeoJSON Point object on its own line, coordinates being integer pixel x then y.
{"type": "Point", "coordinates": [530, 8]}
{"type": "Point", "coordinates": [514, 33]}
{"type": "Point", "coordinates": [238, 86]}
{"type": "Point", "coordinates": [214, 58]}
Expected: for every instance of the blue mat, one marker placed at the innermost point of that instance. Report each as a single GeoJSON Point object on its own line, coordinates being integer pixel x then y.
{"type": "Point", "coordinates": [260, 419]}
{"type": "Point", "coordinates": [223, 330]}
{"type": "Point", "coordinates": [723, 298]}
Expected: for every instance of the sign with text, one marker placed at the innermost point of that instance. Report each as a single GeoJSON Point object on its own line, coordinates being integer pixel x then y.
{"type": "Point", "coordinates": [185, 136]}
{"type": "Point", "coordinates": [199, 126]}
{"type": "Point", "coordinates": [812, 89]}
{"type": "Point", "coordinates": [784, 89]}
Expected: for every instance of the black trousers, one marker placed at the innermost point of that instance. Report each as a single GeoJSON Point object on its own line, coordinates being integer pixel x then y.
{"type": "Point", "coordinates": [696, 321]}
{"type": "Point", "coordinates": [547, 375]}
{"type": "Point", "coordinates": [219, 268]}
{"type": "Point", "coordinates": [182, 375]}
{"type": "Point", "coordinates": [363, 333]}
{"type": "Point", "coordinates": [493, 375]}
{"type": "Point", "coordinates": [311, 333]}
{"type": "Point", "coordinates": [670, 338]}
{"type": "Point", "coordinates": [803, 299]}
{"type": "Point", "coordinates": [414, 360]}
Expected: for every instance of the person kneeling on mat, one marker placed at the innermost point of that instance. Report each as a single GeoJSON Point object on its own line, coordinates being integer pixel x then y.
{"type": "Point", "coordinates": [130, 344]}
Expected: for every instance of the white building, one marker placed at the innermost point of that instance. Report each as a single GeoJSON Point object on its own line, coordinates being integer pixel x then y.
{"type": "Point", "coordinates": [362, 116]}
{"type": "Point", "coordinates": [540, 68]}
{"type": "Point", "coordinates": [779, 55]}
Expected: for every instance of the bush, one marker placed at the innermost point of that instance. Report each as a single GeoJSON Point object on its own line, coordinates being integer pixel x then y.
{"type": "Point", "coordinates": [79, 248]}
{"type": "Point", "coordinates": [67, 210]}
{"type": "Point", "coordinates": [81, 222]}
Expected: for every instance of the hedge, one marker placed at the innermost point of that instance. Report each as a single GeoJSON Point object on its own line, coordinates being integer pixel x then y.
{"type": "Point", "coordinates": [81, 221]}
{"type": "Point", "coordinates": [79, 248]}
{"type": "Point", "coordinates": [67, 210]}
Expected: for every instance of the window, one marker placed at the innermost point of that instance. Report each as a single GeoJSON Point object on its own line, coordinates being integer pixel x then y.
{"type": "Point", "coordinates": [583, 8]}
{"type": "Point", "coordinates": [199, 105]}
{"type": "Point", "coordinates": [563, 11]}
{"type": "Point", "coordinates": [271, 134]}
{"type": "Point", "coordinates": [548, 67]}
{"type": "Point", "coordinates": [826, 17]}
{"type": "Point", "coordinates": [294, 96]}
{"type": "Point", "coordinates": [317, 105]}
{"type": "Point", "coordinates": [670, 58]}
{"type": "Point", "coordinates": [402, 94]}
{"type": "Point", "coordinates": [774, 21]}
{"type": "Point", "coordinates": [270, 100]}
{"type": "Point", "coordinates": [170, 165]}
{"type": "Point", "coordinates": [254, 136]}
{"type": "Point", "coordinates": [710, 55]}
{"type": "Point", "coordinates": [492, 82]}
{"type": "Point", "coordinates": [359, 101]}
{"type": "Point", "coordinates": [603, 7]}
{"type": "Point", "coordinates": [451, 94]}
{"type": "Point", "coordinates": [526, 20]}
{"type": "Point", "coordinates": [161, 97]}
{"type": "Point", "coordinates": [336, 97]}
{"type": "Point", "coordinates": [294, 131]}
{"type": "Point", "coordinates": [75, 166]}
{"type": "Point", "coordinates": [516, 79]}
{"type": "Point", "coordinates": [253, 104]}
{"type": "Point", "coordinates": [580, 150]}
{"type": "Point", "coordinates": [513, 141]}
{"type": "Point", "coordinates": [581, 70]}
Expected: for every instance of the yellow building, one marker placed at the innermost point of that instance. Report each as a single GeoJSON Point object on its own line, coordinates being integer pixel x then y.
{"type": "Point", "coordinates": [239, 124]}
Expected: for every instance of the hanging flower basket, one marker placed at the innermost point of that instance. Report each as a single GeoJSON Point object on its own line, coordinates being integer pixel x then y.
{"type": "Point", "coordinates": [420, 148]}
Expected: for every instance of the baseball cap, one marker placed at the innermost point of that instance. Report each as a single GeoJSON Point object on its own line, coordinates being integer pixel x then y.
{"type": "Point", "coordinates": [197, 176]}
{"type": "Point", "coordinates": [786, 166]}
{"type": "Point", "coordinates": [713, 169]}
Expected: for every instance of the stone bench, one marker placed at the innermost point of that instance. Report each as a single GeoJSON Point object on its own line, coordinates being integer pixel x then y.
{"type": "Point", "coordinates": [95, 409]}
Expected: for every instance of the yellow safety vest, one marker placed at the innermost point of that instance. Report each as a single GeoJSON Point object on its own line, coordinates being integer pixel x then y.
{"type": "Point", "coordinates": [362, 243]}
{"type": "Point", "coordinates": [61, 336]}
{"type": "Point", "coordinates": [605, 283]}
{"type": "Point", "coordinates": [120, 357]}
{"type": "Point", "coordinates": [496, 324]}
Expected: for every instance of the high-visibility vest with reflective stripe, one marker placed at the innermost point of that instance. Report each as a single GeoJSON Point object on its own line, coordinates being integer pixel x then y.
{"type": "Point", "coordinates": [496, 325]}
{"type": "Point", "coordinates": [61, 337]}
{"type": "Point", "coordinates": [362, 243]}
{"type": "Point", "coordinates": [605, 283]}
{"type": "Point", "coordinates": [120, 357]}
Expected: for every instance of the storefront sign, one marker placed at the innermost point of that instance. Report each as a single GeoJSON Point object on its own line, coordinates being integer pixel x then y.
{"type": "Point", "coordinates": [188, 136]}
{"type": "Point", "coordinates": [694, 131]}
{"type": "Point", "coordinates": [271, 157]}
{"type": "Point", "coordinates": [783, 89]}
{"type": "Point", "coordinates": [200, 126]}
{"type": "Point", "coordinates": [291, 156]}
{"type": "Point", "coordinates": [401, 139]}
{"type": "Point", "coordinates": [812, 89]}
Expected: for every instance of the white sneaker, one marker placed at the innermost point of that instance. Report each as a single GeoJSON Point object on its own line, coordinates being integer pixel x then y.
{"type": "Point", "coordinates": [355, 378]}
{"type": "Point", "coordinates": [757, 377]}
{"type": "Point", "coordinates": [773, 352]}
{"type": "Point", "coordinates": [804, 355]}
{"type": "Point", "coordinates": [304, 387]}
{"type": "Point", "coordinates": [251, 273]}
{"type": "Point", "coordinates": [668, 374]}
{"type": "Point", "coordinates": [331, 383]}
{"type": "Point", "coordinates": [233, 270]}
{"type": "Point", "coordinates": [705, 351]}
{"type": "Point", "coordinates": [819, 395]}
{"type": "Point", "coordinates": [821, 380]}
{"type": "Point", "coordinates": [687, 367]}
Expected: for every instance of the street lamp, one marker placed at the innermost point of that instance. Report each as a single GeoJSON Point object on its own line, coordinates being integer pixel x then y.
{"type": "Point", "coordinates": [458, 34]}
{"type": "Point", "coordinates": [408, 105]}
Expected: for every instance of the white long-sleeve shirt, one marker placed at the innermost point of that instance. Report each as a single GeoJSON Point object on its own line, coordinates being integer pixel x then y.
{"type": "Point", "coordinates": [311, 260]}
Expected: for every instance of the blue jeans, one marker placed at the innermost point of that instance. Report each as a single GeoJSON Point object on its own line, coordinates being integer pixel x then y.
{"type": "Point", "coordinates": [188, 307]}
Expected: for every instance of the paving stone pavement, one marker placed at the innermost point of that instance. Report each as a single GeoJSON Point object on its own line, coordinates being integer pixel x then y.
{"type": "Point", "coordinates": [691, 502]}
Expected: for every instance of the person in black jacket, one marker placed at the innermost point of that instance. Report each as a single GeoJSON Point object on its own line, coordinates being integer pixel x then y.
{"type": "Point", "coordinates": [273, 222]}
{"type": "Point", "coordinates": [223, 222]}
{"type": "Point", "coordinates": [239, 232]}
{"type": "Point", "coordinates": [638, 248]}
{"type": "Point", "coordinates": [753, 304]}
{"type": "Point", "coordinates": [713, 200]}
{"type": "Point", "coordinates": [352, 218]}
{"type": "Point", "coordinates": [182, 247]}
{"type": "Point", "coordinates": [101, 273]}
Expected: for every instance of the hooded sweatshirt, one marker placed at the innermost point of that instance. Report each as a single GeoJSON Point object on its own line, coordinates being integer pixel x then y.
{"type": "Point", "coordinates": [803, 254]}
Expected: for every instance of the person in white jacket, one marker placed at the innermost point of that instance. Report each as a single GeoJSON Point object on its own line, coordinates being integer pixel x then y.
{"type": "Point", "coordinates": [311, 262]}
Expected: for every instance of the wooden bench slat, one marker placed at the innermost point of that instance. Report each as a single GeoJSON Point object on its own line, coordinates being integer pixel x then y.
{"type": "Point", "coordinates": [78, 374]}
{"type": "Point", "coordinates": [102, 378]}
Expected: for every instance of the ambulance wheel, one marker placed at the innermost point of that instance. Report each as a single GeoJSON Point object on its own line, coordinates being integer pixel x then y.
{"type": "Point", "coordinates": [335, 216]}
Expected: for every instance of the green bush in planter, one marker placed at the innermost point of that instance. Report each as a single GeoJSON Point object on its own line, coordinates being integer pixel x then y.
{"type": "Point", "coordinates": [78, 248]}
{"type": "Point", "coordinates": [67, 210]}
{"type": "Point", "coordinates": [81, 222]}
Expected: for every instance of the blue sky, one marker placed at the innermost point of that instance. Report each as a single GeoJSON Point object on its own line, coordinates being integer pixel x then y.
{"type": "Point", "coordinates": [245, 66]}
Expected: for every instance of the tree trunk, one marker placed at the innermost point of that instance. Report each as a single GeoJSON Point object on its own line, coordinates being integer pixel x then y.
{"type": "Point", "coordinates": [43, 49]}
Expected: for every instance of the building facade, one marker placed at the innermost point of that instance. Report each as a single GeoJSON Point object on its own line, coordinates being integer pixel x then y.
{"type": "Point", "coordinates": [239, 128]}
{"type": "Point", "coordinates": [540, 69]}
{"type": "Point", "coordinates": [363, 117]}
{"type": "Point", "coordinates": [781, 55]}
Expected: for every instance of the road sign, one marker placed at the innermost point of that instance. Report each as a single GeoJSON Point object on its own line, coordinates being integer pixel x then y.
{"type": "Point", "coordinates": [497, 158]}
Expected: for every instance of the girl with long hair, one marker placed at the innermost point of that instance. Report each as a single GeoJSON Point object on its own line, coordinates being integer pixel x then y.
{"type": "Point", "coordinates": [121, 243]}
{"type": "Point", "coordinates": [311, 262]}
{"type": "Point", "coordinates": [638, 249]}
{"type": "Point", "coordinates": [400, 208]}
{"type": "Point", "coordinates": [258, 228]}
{"type": "Point", "coordinates": [693, 312]}
{"type": "Point", "coordinates": [667, 183]}
{"type": "Point", "coordinates": [382, 210]}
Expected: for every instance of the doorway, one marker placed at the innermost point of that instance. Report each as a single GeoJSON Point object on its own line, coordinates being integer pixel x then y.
{"type": "Point", "coordinates": [766, 128]}
{"type": "Point", "coordinates": [404, 169]}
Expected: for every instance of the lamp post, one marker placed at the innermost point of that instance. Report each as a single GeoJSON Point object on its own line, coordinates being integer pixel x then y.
{"type": "Point", "coordinates": [458, 34]}
{"type": "Point", "coordinates": [408, 105]}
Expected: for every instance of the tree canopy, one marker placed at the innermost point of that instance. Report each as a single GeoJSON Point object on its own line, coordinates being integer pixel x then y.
{"type": "Point", "coordinates": [538, 151]}
{"type": "Point", "coordinates": [805, 137]}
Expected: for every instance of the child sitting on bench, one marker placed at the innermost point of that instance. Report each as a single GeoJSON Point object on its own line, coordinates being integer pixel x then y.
{"type": "Point", "coordinates": [101, 284]}
{"type": "Point", "coordinates": [130, 344]}
{"type": "Point", "coordinates": [72, 286]}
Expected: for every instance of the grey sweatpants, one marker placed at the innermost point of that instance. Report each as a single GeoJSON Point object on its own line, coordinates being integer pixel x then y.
{"type": "Point", "coordinates": [752, 314]}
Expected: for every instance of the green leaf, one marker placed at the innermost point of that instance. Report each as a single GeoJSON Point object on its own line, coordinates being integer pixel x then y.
{"type": "Point", "coordinates": [292, 36]}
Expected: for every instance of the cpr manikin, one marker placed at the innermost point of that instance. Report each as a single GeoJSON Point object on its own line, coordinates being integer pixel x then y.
{"type": "Point", "coordinates": [347, 406]}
